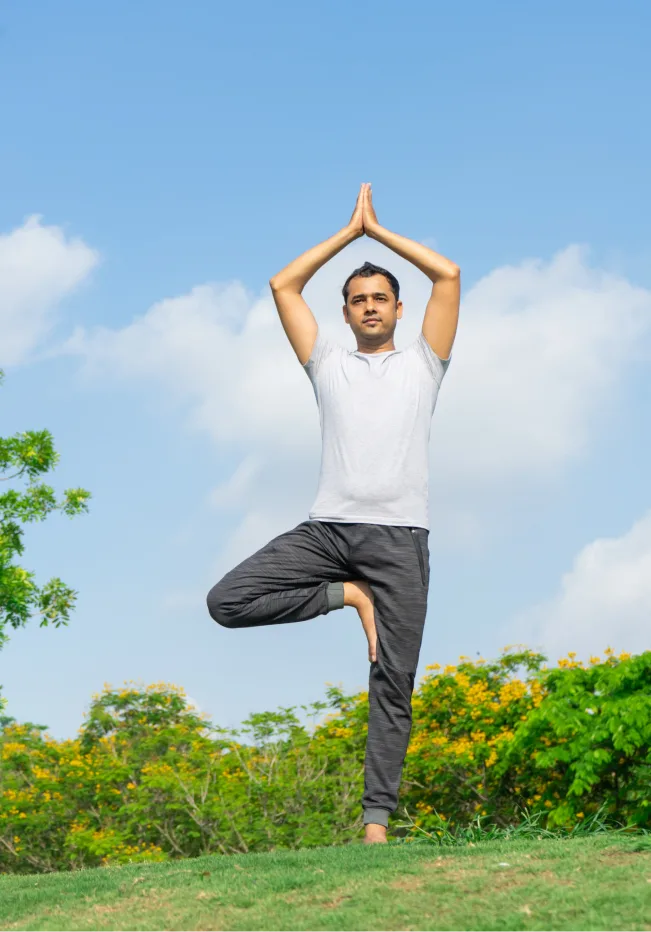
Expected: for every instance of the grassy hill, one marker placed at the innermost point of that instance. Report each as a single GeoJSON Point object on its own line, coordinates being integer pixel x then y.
{"type": "Point", "coordinates": [599, 882]}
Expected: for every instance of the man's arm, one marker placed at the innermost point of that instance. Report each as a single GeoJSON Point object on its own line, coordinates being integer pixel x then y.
{"type": "Point", "coordinates": [442, 312]}
{"type": "Point", "coordinates": [297, 319]}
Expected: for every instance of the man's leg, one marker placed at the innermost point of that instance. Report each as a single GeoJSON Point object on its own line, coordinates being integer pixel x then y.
{"type": "Point", "coordinates": [298, 575]}
{"type": "Point", "coordinates": [395, 562]}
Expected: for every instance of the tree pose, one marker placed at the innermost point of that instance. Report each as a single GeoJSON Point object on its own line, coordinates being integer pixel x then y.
{"type": "Point", "coordinates": [365, 543]}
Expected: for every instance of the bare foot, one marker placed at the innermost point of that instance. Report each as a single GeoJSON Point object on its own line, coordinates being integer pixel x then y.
{"type": "Point", "coordinates": [358, 594]}
{"type": "Point", "coordinates": [375, 835]}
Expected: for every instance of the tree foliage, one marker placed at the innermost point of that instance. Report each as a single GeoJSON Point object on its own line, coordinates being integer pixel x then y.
{"type": "Point", "coordinates": [24, 459]}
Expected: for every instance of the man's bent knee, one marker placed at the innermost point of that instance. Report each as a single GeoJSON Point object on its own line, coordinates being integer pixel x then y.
{"type": "Point", "coordinates": [220, 610]}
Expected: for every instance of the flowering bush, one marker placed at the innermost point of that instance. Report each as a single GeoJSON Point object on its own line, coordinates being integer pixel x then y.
{"type": "Point", "coordinates": [587, 745]}
{"type": "Point", "coordinates": [565, 743]}
{"type": "Point", "coordinates": [148, 778]}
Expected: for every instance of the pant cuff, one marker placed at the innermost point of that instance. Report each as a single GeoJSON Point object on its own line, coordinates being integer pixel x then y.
{"type": "Point", "coordinates": [376, 817]}
{"type": "Point", "coordinates": [335, 593]}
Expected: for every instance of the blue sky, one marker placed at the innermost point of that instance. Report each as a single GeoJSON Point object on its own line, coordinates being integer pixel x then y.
{"type": "Point", "coordinates": [177, 156]}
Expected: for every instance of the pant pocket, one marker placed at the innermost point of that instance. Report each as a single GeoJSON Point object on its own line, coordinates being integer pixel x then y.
{"type": "Point", "coordinates": [419, 553]}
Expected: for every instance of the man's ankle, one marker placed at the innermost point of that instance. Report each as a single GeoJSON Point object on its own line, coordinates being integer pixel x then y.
{"type": "Point", "coordinates": [375, 834]}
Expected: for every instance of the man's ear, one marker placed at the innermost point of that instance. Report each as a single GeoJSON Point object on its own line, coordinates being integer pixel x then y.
{"type": "Point", "coordinates": [345, 310]}
{"type": "Point", "coordinates": [399, 310]}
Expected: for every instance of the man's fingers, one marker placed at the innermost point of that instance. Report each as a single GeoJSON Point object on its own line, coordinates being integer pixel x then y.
{"type": "Point", "coordinates": [368, 202]}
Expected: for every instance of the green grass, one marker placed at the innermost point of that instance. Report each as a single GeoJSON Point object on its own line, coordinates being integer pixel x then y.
{"type": "Point", "coordinates": [592, 882]}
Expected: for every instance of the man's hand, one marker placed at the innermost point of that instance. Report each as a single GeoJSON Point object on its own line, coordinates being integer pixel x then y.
{"type": "Point", "coordinates": [356, 224]}
{"type": "Point", "coordinates": [371, 224]}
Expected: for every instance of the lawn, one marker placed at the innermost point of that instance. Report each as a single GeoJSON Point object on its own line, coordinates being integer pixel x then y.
{"type": "Point", "coordinates": [595, 882]}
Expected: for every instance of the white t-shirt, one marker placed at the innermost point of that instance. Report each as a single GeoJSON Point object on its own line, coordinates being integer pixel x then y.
{"type": "Point", "coordinates": [376, 412]}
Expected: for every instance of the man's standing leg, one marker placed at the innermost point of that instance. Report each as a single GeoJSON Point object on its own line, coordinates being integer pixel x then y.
{"type": "Point", "coordinates": [395, 562]}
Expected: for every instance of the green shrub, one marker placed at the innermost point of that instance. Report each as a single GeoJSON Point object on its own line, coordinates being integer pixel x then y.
{"type": "Point", "coordinates": [148, 778]}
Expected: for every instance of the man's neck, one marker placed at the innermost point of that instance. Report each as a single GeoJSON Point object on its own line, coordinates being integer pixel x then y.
{"type": "Point", "coordinates": [372, 350]}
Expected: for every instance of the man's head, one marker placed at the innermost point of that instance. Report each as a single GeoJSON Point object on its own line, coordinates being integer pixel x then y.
{"type": "Point", "coordinates": [372, 305]}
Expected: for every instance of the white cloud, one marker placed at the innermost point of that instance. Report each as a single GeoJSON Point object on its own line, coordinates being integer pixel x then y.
{"type": "Point", "coordinates": [39, 266]}
{"type": "Point", "coordinates": [604, 601]}
{"type": "Point", "coordinates": [220, 351]}
{"type": "Point", "coordinates": [230, 494]}
{"type": "Point", "coordinates": [541, 347]}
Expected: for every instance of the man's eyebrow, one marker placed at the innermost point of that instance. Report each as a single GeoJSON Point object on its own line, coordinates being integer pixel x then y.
{"type": "Point", "coordinates": [375, 294]}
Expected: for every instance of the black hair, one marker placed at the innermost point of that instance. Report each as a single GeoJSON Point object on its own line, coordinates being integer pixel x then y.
{"type": "Point", "coordinates": [367, 271]}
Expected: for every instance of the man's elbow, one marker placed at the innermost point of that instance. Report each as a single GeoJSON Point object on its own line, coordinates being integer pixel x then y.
{"type": "Point", "coordinates": [453, 272]}
{"type": "Point", "coordinates": [278, 284]}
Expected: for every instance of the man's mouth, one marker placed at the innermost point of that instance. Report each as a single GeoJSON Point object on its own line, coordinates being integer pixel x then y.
{"type": "Point", "coordinates": [372, 320]}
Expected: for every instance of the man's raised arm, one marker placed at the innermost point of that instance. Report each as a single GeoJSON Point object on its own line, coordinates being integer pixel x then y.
{"type": "Point", "coordinates": [297, 319]}
{"type": "Point", "coordinates": [442, 312]}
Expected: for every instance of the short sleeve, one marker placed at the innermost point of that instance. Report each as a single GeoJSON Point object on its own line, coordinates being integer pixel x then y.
{"type": "Point", "coordinates": [320, 351]}
{"type": "Point", "coordinates": [435, 365]}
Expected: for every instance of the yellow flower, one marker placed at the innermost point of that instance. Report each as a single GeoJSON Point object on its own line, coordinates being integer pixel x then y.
{"type": "Point", "coordinates": [624, 656]}
{"type": "Point", "coordinates": [595, 660]}
{"type": "Point", "coordinates": [512, 691]}
{"type": "Point", "coordinates": [579, 815]}
{"type": "Point", "coordinates": [433, 666]}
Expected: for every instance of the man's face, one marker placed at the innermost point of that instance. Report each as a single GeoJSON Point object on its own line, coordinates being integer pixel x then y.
{"type": "Point", "coordinates": [371, 309]}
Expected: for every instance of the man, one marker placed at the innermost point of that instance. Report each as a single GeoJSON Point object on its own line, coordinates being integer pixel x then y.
{"type": "Point", "coordinates": [366, 541]}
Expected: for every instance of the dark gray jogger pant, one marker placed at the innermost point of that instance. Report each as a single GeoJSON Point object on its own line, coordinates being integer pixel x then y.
{"type": "Point", "coordinates": [300, 574]}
